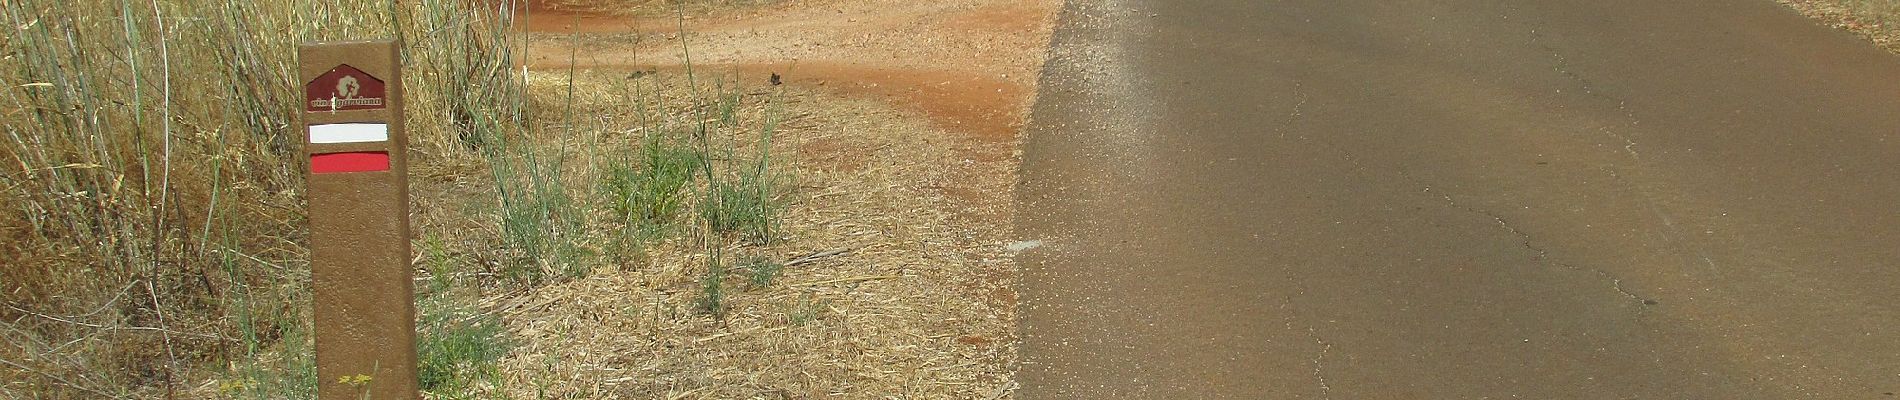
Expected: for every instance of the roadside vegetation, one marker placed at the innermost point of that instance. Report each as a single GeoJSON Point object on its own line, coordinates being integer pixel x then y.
{"type": "Point", "coordinates": [152, 242]}
{"type": "Point", "coordinates": [1876, 20]}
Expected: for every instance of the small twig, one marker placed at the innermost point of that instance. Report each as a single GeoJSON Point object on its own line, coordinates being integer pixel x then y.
{"type": "Point", "coordinates": [254, 259]}
{"type": "Point", "coordinates": [115, 299]}
{"type": "Point", "coordinates": [851, 279]}
{"type": "Point", "coordinates": [62, 346]}
{"type": "Point", "coordinates": [16, 308]}
{"type": "Point", "coordinates": [799, 116]}
{"type": "Point", "coordinates": [814, 257]}
{"type": "Point", "coordinates": [521, 299]}
{"type": "Point", "coordinates": [741, 332]}
{"type": "Point", "coordinates": [829, 194]}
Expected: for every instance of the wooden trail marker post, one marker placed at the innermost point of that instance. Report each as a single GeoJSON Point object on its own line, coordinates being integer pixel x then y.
{"type": "Point", "coordinates": [358, 195]}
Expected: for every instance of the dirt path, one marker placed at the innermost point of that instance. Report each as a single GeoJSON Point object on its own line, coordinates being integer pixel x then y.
{"type": "Point", "coordinates": [969, 65]}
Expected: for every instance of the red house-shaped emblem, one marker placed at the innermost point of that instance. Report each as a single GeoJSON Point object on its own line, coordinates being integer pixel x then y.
{"type": "Point", "coordinates": [344, 88]}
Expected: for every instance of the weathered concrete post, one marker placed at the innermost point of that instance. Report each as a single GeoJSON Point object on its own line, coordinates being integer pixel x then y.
{"type": "Point", "coordinates": [359, 221]}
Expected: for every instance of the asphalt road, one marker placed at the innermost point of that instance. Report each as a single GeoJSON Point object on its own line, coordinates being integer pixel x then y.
{"type": "Point", "coordinates": [1460, 199]}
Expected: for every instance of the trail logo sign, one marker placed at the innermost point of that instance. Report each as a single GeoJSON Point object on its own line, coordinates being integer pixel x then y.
{"type": "Point", "coordinates": [344, 88]}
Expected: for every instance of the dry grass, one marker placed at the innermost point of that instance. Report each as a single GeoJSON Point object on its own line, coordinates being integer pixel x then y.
{"type": "Point", "coordinates": [886, 293]}
{"type": "Point", "coordinates": [1876, 20]}
{"type": "Point", "coordinates": [148, 196]}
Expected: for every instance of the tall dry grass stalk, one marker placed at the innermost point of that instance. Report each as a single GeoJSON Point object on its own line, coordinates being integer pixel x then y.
{"type": "Point", "coordinates": [150, 205]}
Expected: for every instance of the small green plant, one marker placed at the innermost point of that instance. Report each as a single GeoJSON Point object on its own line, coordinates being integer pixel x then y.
{"type": "Point", "coordinates": [806, 311]}
{"type": "Point", "coordinates": [712, 287]}
{"type": "Point", "coordinates": [457, 347]}
{"type": "Point", "coordinates": [728, 102]}
{"type": "Point", "coordinates": [290, 374]}
{"type": "Point", "coordinates": [762, 270]}
{"type": "Point", "coordinates": [456, 344]}
{"type": "Point", "coordinates": [538, 218]}
{"type": "Point", "coordinates": [745, 207]}
{"type": "Point", "coordinates": [436, 260]}
{"type": "Point", "coordinates": [746, 202]}
{"type": "Point", "coordinates": [650, 194]}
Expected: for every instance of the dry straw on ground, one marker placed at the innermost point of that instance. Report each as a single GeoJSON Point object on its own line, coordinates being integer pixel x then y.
{"type": "Point", "coordinates": [886, 293]}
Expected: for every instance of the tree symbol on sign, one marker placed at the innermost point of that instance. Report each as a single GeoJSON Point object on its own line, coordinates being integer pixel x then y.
{"type": "Point", "coordinates": [347, 87]}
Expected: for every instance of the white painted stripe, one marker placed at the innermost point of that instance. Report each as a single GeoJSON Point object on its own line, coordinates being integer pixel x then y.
{"type": "Point", "coordinates": [349, 133]}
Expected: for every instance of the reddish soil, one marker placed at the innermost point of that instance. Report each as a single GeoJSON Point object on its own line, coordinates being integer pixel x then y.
{"type": "Point", "coordinates": [985, 107]}
{"type": "Point", "coordinates": [969, 66]}
{"type": "Point", "coordinates": [891, 50]}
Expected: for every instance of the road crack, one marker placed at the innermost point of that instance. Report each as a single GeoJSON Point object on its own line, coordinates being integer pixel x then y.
{"type": "Point", "coordinates": [1299, 108]}
{"type": "Point", "coordinates": [1539, 253]}
{"type": "Point", "coordinates": [1319, 358]}
{"type": "Point", "coordinates": [1319, 365]}
{"type": "Point", "coordinates": [1561, 65]}
{"type": "Point", "coordinates": [1672, 234]}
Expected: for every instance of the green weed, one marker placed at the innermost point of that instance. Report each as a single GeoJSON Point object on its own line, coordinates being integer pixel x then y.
{"type": "Point", "coordinates": [744, 207]}
{"type": "Point", "coordinates": [538, 219]}
{"type": "Point", "coordinates": [457, 347]}
{"type": "Point", "coordinates": [807, 309]}
{"type": "Point", "coordinates": [648, 195]}
{"type": "Point", "coordinates": [762, 270]}
{"type": "Point", "coordinates": [712, 298]}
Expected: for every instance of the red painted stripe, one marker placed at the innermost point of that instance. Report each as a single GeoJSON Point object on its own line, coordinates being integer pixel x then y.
{"type": "Point", "coordinates": [333, 163]}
